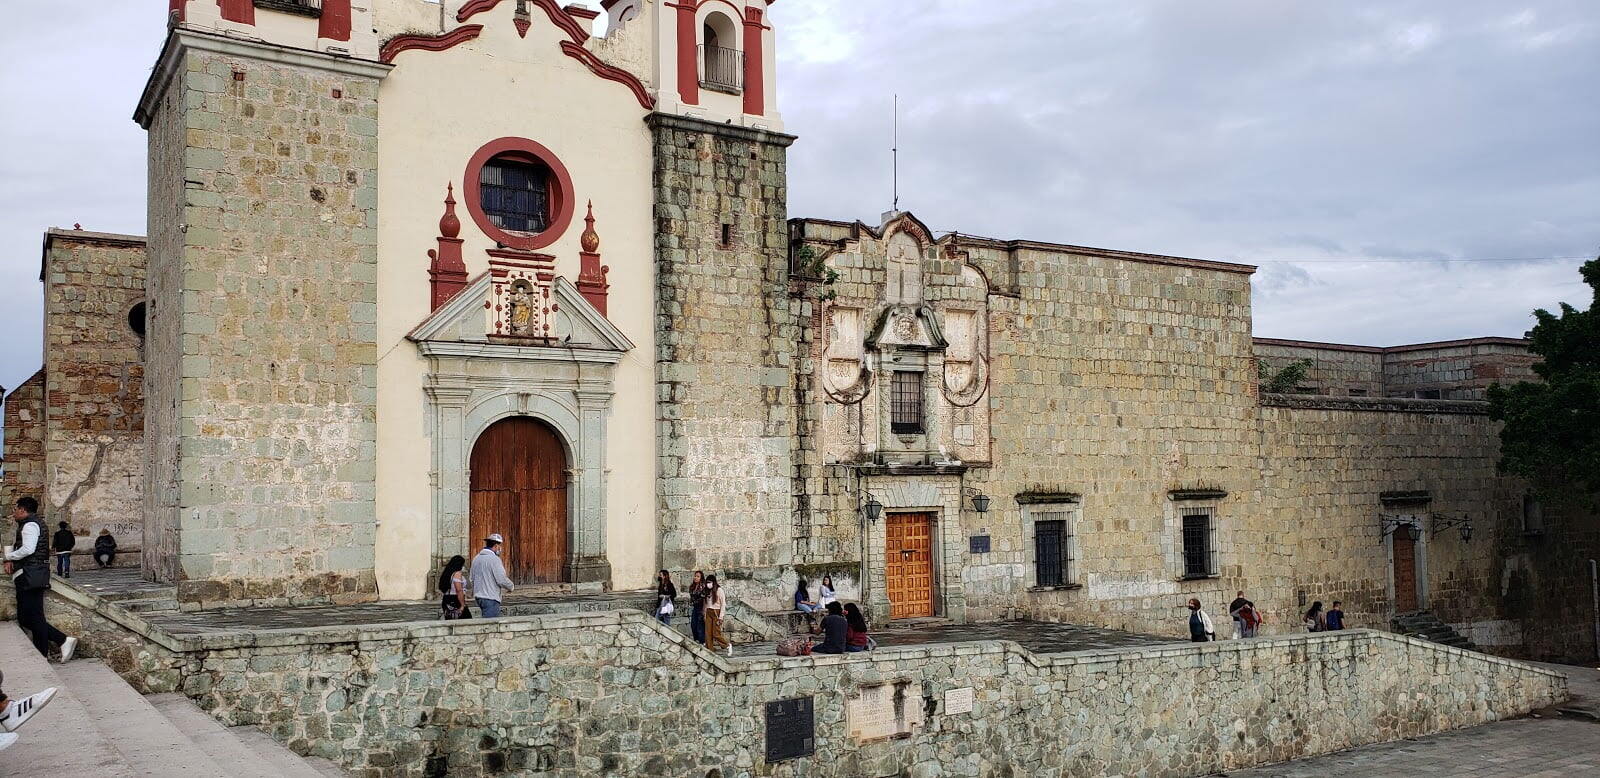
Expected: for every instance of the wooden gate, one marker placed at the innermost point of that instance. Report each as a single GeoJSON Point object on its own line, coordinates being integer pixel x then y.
{"type": "Point", "coordinates": [519, 489]}
{"type": "Point", "coordinates": [1405, 572]}
{"type": "Point", "coordinates": [908, 563]}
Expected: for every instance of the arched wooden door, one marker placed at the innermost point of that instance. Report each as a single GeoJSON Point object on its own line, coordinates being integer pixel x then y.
{"type": "Point", "coordinates": [519, 489]}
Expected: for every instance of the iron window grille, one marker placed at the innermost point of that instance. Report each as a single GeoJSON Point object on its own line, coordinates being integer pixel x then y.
{"type": "Point", "coordinates": [905, 404]}
{"type": "Point", "coordinates": [1053, 550]}
{"type": "Point", "coordinates": [302, 7]}
{"type": "Point", "coordinates": [721, 68]}
{"type": "Point", "coordinates": [1199, 546]}
{"type": "Point", "coordinates": [515, 194]}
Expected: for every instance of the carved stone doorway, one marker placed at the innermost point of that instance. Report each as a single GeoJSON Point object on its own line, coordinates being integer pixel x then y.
{"type": "Point", "coordinates": [519, 489]}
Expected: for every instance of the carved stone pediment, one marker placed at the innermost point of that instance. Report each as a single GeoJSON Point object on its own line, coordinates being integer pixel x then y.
{"type": "Point", "coordinates": [467, 321]}
{"type": "Point", "coordinates": [907, 326]}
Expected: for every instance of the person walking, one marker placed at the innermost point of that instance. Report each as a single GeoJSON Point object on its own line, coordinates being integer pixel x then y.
{"type": "Point", "coordinates": [835, 632]}
{"type": "Point", "coordinates": [62, 545]}
{"type": "Point", "coordinates": [716, 603]}
{"type": "Point", "coordinates": [489, 579]}
{"type": "Point", "coordinates": [28, 564]}
{"type": "Point", "coordinates": [1251, 618]}
{"type": "Point", "coordinates": [665, 594]}
{"type": "Point", "coordinates": [1200, 628]}
{"type": "Point", "coordinates": [1314, 620]}
{"type": "Point", "coordinates": [1235, 610]}
{"type": "Point", "coordinates": [697, 607]}
{"type": "Point", "coordinates": [105, 549]}
{"type": "Point", "coordinates": [857, 638]}
{"type": "Point", "coordinates": [1335, 618]}
{"type": "Point", "coordinates": [453, 590]}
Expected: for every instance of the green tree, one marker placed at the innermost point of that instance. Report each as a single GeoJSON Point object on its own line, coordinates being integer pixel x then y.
{"type": "Point", "coordinates": [1552, 429]}
{"type": "Point", "coordinates": [1284, 379]}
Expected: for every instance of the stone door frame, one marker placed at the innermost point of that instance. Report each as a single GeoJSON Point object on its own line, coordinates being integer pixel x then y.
{"type": "Point", "coordinates": [940, 497]}
{"type": "Point", "coordinates": [1419, 563]}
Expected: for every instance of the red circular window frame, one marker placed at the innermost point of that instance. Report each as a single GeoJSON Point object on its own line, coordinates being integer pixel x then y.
{"type": "Point", "coordinates": [562, 202]}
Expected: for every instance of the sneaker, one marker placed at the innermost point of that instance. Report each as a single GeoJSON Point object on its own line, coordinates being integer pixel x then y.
{"type": "Point", "coordinates": [6, 740]}
{"type": "Point", "coordinates": [68, 646]}
{"type": "Point", "coordinates": [730, 650]}
{"type": "Point", "coordinates": [17, 712]}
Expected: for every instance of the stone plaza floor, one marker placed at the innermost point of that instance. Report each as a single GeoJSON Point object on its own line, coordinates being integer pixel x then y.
{"type": "Point", "coordinates": [1564, 745]}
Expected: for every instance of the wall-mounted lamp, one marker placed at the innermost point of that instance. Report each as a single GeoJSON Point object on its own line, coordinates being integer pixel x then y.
{"type": "Point", "coordinates": [980, 501]}
{"type": "Point", "coordinates": [872, 509]}
{"type": "Point", "coordinates": [1389, 524]}
{"type": "Point", "coordinates": [1442, 523]}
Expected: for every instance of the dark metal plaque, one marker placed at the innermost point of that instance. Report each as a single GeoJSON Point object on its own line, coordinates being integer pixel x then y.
{"type": "Point", "coordinates": [979, 544]}
{"type": "Point", "coordinates": [791, 729]}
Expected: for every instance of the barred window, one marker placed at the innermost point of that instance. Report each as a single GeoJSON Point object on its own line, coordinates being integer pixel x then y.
{"type": "Point", "coordinates": [516, 194]}
{"type": "Point", "coordinates": [1199, 545]}
{"type": "Point", "coordinates": [905, 411]}
{"type": "Point", "coordinates": [1053, 547]}
{"type": "Point", "coordinates": [1532, 515]}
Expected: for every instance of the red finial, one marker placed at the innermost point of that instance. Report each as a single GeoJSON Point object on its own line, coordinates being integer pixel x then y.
{"type": "Point", "coordinates": [449, 225]}
{"type": "Point", "coordinates": [77, 226]}
{"type": "Point", "coordinates": [591, 239]}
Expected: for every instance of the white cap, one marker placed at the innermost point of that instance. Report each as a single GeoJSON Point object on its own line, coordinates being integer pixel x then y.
{"type": "Point", "coordinates": [495, 538]}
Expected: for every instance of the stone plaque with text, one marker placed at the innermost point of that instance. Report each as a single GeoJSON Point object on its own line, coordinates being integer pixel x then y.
{"type": "Point", "coordinates": [791, 729]}
{"type": "Point", "coordinates": [884, 711]}
{"type": "Point", "coordinates": [958, 700]}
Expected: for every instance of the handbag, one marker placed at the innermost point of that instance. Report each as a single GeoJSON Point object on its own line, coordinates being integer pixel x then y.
{"type": "Point", "coordinates": [666, 607]}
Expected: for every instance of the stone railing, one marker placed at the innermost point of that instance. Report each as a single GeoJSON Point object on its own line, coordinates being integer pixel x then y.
{"type": "Point", "coordinates": [616, 693]}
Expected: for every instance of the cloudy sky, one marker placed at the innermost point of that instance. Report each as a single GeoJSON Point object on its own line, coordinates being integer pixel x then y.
{"type": "Point", "coordinates": [1401, 171]}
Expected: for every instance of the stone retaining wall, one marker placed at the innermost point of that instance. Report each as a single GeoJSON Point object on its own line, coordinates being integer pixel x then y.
{"type": "Point", "coordinates": [615, 694]}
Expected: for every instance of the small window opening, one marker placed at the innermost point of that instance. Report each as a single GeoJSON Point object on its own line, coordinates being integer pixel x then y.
{"type": "Point", "coordinates": [905, 412]}
{"type": "Point", "coordinates": [727, 235]}
{"type": "Point", "coordinates": [136, 319]}
{"type": "Point", "coordinates": [515, 194]}
{"type": "Point", "coordinates": [1199, 550]}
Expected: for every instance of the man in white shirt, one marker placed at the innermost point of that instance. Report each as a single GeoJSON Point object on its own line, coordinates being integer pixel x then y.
{"type": "Point", "coordinates": [28, 564]}
{"type": "Point", "coordinates": [489, 579]}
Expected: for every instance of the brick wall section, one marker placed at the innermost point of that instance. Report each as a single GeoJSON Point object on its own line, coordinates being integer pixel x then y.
{"type": "Point", "coordinates": [725, 348]}
{"type": "Point", "coordinates": [1460, 371]}
{"type": "Point", "coordinates": [271, 293]}
{"type": "Point", "coordinates": [24, 441]}
{"type": "Point", "coordinates": [94, 384]}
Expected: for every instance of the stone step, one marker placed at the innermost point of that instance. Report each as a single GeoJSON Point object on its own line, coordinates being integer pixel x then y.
{"type": "Point", "coordinates": [219, 742]}
{"type": "Point", "coordinates": [275, 756]}
{"type": "Point", "coordinates": [147, 741]}
{"type": "Point", "coordinates": [61, 739]}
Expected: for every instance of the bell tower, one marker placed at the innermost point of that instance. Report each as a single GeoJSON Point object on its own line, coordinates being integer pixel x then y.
{"type": "Point", "coordinates": [714, 59]}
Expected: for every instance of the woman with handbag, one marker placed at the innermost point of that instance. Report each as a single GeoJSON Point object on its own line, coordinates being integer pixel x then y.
{"type": "Point", "coordinates": [716, 602]}
{"type": "Point", "coordinates": [665, 594]}
{"type": "Point", "coordinates": [453, 590]}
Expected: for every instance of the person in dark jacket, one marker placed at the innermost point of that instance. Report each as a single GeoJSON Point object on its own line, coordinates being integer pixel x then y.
{"type": "Point", "coordinates": [62, 544]}
{"type": "Point", "coordinates": [697, 607]}
{"type": "Point", "coordinates": [835, 631]}
{"type": "Point", "coordinates": [105, 549]}
{"type": "Point", "coordinates": [28, 564]}
{"type": "Point", "coordinates": [666, 592]}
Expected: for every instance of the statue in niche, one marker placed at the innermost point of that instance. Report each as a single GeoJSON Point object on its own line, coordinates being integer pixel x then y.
{"type": "Point", "coordinates": [520, 314]}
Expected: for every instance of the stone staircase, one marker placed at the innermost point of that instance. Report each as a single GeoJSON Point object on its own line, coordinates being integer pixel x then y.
{"type": "Point", "coordinates": [1426, 626]}
{"type": "Point", "coordinates": [99, 725]}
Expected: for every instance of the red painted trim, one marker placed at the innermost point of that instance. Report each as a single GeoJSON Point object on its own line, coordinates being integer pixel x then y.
{"type": "Point", "coordinates": [241, 11]}
{"type": "Point", "coordinates": [581, 12]}
{"type": "Point", "coordinates": [401, 43]}
{"type": "Point", "coordinates": [610, 72]}
{"type": "Point", "coordinates": [562, 203]}
{"type": "Point", "coordinates": [591, 274]}
{"type": "Point", "coordinates": [688, 59]}
{"type": "Point", "coordinates": [474, 7]}
{"type": "Point", "coordinates": [334, 24]}
{"type": "Point", "coordinates": [177, 7]}
{"type": "Point", "coordinates": [560, 18]}
{"type": "Point", "coordinates": [755, 82]}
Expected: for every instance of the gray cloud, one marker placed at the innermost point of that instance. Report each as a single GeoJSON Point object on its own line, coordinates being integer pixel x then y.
{"type": "Point", "coordinates": [1250, 130]}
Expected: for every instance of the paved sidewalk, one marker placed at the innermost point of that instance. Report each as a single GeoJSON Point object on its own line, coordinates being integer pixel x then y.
{"type": "Point", "coordinates": [1565, 746]}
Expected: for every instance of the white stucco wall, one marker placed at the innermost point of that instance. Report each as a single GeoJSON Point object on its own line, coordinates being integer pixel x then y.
{"type": "Point", "coordinates": [436, 110]}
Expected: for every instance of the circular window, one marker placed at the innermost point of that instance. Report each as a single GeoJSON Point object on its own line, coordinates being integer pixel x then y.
{"type": "Point", "coordinates": [136, 319]}
{"type": "Point", "coordinates": [519, 193]}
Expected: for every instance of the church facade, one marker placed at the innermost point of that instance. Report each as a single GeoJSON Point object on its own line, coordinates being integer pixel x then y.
{"type": "Point", "coordinates": [421, 271]}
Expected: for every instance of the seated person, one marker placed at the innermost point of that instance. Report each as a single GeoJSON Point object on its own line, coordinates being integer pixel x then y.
{"type": "Point", "coordinates": [835, 631]}
{"type": "Point", "coordinates": [105, 549]}
{"type": "Point", "coordinates": [802, 598]}
{"type": "Point", "coordinates": [856, 637]}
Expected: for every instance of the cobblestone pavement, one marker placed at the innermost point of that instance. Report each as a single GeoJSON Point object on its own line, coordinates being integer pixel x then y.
{"type": "Point", "coordinates": [1037, 636]}
{"type": "Point", "coordinates": [1566, 745]}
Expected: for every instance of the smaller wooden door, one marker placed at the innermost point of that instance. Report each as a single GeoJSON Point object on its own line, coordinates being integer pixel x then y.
{"type": "Point", "coordinates": [519, 489]}
{"type": "Point", "coordinates": [1405, 572]}
{"type": "Point", "coordinates": [908, 563]}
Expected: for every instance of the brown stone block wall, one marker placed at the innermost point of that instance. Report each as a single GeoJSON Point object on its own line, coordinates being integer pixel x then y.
{"type": "Point", "coordinates": [725, 349]}
{"type": "Point", "coordinates": [271, 357]}
{"type": "Point", "coordinates": [1458, 371]}
{"type": "Point", "coordinates": [24, 441]}
{"type": "Point", "coordinates": [1337, 371]}
{"type": "Point", "coordinates": [94, 393]}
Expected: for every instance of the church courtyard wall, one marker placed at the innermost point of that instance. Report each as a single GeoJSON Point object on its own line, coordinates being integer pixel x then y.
{"type": "Point", "coordinates": [24, 440]}
{"type": "Point", "coordinates": [615, 693]}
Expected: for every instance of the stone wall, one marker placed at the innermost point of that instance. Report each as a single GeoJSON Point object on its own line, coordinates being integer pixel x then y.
{"type": "Point", "coordinates": [617, 694]}
{"type": "Point", "coordinates": [1334, 369]}
{"type": "Point", "coordinates": [1456, 370]}
{"type": "Point", "coordinates": [269, 352]}
{"type": "Point", "coordinates": [725, 347]}
{"type": "Point", "coordinates": [94, 288]}
{"type": "Point", "coordinates": [24, 441]}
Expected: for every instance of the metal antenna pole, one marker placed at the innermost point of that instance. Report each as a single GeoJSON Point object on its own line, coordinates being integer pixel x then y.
{"type": "Point", "coordinates": [895, 154]}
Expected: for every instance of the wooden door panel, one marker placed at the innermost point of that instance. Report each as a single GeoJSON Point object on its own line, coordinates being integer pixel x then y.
{"type": "Point", "coordinates": [1405, 572]}
{"type": "Point", "coordinates": [908, 557]}
{"type": "Point", "coordinates": [519, 489]}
